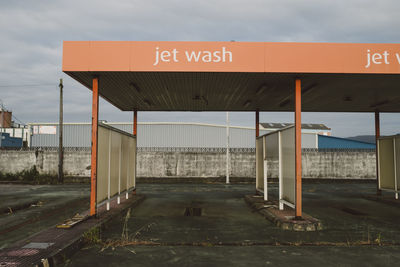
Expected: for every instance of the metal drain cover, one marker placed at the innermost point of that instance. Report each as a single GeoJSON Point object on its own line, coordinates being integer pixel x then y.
{"type": "Point", "coordinates": [38, 245]}
{"type": "Point", "coordinates": [191, 211]}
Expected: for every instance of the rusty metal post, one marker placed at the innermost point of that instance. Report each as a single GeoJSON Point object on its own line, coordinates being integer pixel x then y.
{"type": "Point", "coordinates": [95, 121]}
{"type": "Point", "coordinates": [227, 148]}
{"type": "Point", "coordinates": [135, 114]}
{"type": "Point", "coordinates": [257, 123]}
{"type": "Point", "coordinates": [298, 147]}
{"type": "Point", "coordinates": [135, 122]}
{"type": "Point", "coordinates": [257, 135]}
{"type": "Point", "coordinates": [60, 137]}
{"type": "Point", "coordinates": [377, 135]}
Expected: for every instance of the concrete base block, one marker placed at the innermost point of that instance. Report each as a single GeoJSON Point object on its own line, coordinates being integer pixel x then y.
{"type": "Point", "coordinates": [284, 219]}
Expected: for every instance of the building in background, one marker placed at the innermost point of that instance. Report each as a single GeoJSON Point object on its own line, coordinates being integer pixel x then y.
{"type": "Point", "coordinates": [320, 129]}
{"type": "Point", "coordinates": [9, 142]}
{"type": "Point", "coordinates": [5, 118]}
{"type": "Point", "coordinates": [162, 135]}
{"type": "Point", "coordinates": [11, 134]}
{"type": "Point", "coordinates": [186, 135]}
{"type": "Point", "coordinates": [331, 142]}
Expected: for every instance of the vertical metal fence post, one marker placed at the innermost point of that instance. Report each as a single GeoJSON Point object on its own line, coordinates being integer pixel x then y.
{"type": "Point", "coordinates": [265, 168]}
{"type": "Point", "coordinates": [119, 170]}
{"type": "Point", "coordinates": [127, 171]}
{"type": "Point", "coordinates": [280, 170]}
{"type": "Point", "coordinates": [60, 138]}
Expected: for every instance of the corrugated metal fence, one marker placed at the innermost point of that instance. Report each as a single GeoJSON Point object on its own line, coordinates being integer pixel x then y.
{"type": "Point", "coordinates": [162, 135]}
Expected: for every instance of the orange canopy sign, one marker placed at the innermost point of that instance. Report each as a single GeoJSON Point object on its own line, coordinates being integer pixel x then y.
{"type": "Point", "coordinates": [230, 57]}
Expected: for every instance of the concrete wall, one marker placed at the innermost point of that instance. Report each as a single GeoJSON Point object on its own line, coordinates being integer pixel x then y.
{"type": "Point", "coordinates": [339, 164]}
{"type": "Point", "coordinates": [192, 164]}
{"type": "Point", "coordinates": [46, 162]}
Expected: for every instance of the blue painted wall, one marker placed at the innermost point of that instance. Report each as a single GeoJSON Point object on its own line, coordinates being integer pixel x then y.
{"type": "Point", "coordinates": [7, 141]}
{"type": "Point", "coordinates": [326, 142]}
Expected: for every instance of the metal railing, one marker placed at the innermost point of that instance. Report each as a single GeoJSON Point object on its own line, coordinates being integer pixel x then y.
{"type": "Point", "coordinates": [196, 149]}
{"type": "Point", "coordinates": [190, 149]}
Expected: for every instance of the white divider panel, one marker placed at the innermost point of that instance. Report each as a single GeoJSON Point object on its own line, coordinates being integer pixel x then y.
{"type": "Point", "coordinates": [386, 163]}
{"type": "Point", "coordinates": [389, 163]}
{"type": "Point", "coordinates": [397, 162]}
{"type": "Point", "coordinates": [272, 143]}
{"type": "Point", "coordinates": [259, 164]}
{"type": "Point", "coordinates": [267, 148]}
{"type": "Point", "coordinates": [102, 164]}
{"type": "Point", "coordinates": [132, 162]}
{"type": "Point", "coordinates": [287, 164]}
{"type": "Point", "coordinates": [271, 152]}
{"type": "Point", "coordinates": [124, 162]}
{"type": "Point", "coordinates": [116, 168]}
{"type": "Point", "coordinates": [115, 148]}
{"type": "Point", "coordinates": [278, 145]}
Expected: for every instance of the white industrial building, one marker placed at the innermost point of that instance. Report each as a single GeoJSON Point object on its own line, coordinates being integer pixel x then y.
{"type": "Point", "coordinates": [162, 135]}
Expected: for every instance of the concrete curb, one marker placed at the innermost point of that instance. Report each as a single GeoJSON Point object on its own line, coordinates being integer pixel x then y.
{"type": "Point", "coordinates": [64, 242]}
{"type": "Point", "coordinates": [60, 256]}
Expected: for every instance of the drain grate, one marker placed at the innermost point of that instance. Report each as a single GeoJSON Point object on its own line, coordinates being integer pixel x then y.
{"type": "Point", "coordinates": [354, 212]}
{"type": "Point", "coordinates": [191, 211]}
{"type": "Point", "coordinates": [38, 245]}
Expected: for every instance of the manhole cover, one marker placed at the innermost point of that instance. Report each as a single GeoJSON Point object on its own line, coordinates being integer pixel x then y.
{"type": "Point", "coordinates": [191, 211]}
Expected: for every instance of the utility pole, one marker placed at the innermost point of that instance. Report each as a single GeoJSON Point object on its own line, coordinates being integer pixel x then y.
{"type": "Point", "coordinates": [2, 120]}
{"type": "Point", "coordinates": [2, 115]}
{"type": "Point", "coordinates": [60, 141]}
{"type": "Point", "coordinates": [227, 147]}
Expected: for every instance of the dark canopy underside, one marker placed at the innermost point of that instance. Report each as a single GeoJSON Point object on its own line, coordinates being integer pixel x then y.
{"type": "Point", "coordinates": [229, 91]}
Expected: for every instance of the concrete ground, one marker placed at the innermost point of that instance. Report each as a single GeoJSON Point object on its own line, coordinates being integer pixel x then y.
{"type": "Point", "coordinates": [358, 232]}
{"type": "Point", "coordinates": [28, 209]}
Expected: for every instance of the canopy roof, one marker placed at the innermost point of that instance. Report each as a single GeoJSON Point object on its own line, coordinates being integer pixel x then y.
{"type": "Point", "coordinates": [238, 76]}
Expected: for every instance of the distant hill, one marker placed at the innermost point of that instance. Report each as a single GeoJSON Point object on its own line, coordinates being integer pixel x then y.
{"type": "Point", "coordinates": [364, 138]}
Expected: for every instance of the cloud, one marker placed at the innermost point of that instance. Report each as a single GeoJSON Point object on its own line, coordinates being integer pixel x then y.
{"type": "Point", "coordinates": [32, 33]}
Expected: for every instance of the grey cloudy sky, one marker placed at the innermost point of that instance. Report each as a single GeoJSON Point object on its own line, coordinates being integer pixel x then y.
{"type": "Point", "coordinates": [32, 33]}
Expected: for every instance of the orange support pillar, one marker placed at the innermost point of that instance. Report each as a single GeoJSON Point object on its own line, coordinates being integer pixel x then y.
{"type": "Point", "coordinates": [298, 147]}
{"type": "Point", "coordinates": [257, 123]}
{"type": "Point", "coordinates": [135, 134]}
{"type": "Point", "coordinates": [135, 122]}
{"type": "Point", "coordinates": [377, 135]}
{"type": "Point", "coordinates": [95, 120]}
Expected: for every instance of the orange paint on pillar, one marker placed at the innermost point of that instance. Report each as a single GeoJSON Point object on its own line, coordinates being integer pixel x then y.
{"type": "Point", "coordinates": [95, 119]}
{"type": "Point", "coordinates": [135, 123]}
{"type": "Point", "coordinates": [377, 135]}
{"type": "Point", "coordinates": [298, 148]}
{"type": "Point", "coordinates": [257, 123]}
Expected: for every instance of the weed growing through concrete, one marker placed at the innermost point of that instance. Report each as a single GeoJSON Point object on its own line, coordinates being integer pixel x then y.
{"type": "Point", "coordinates": [378, 240]}
{"type": "Point", "coordinates": [125, 230]}
{"type": "Point", "coordinates": [92, 236]}
{"type": "Point", "coordinates": [127, 239]}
